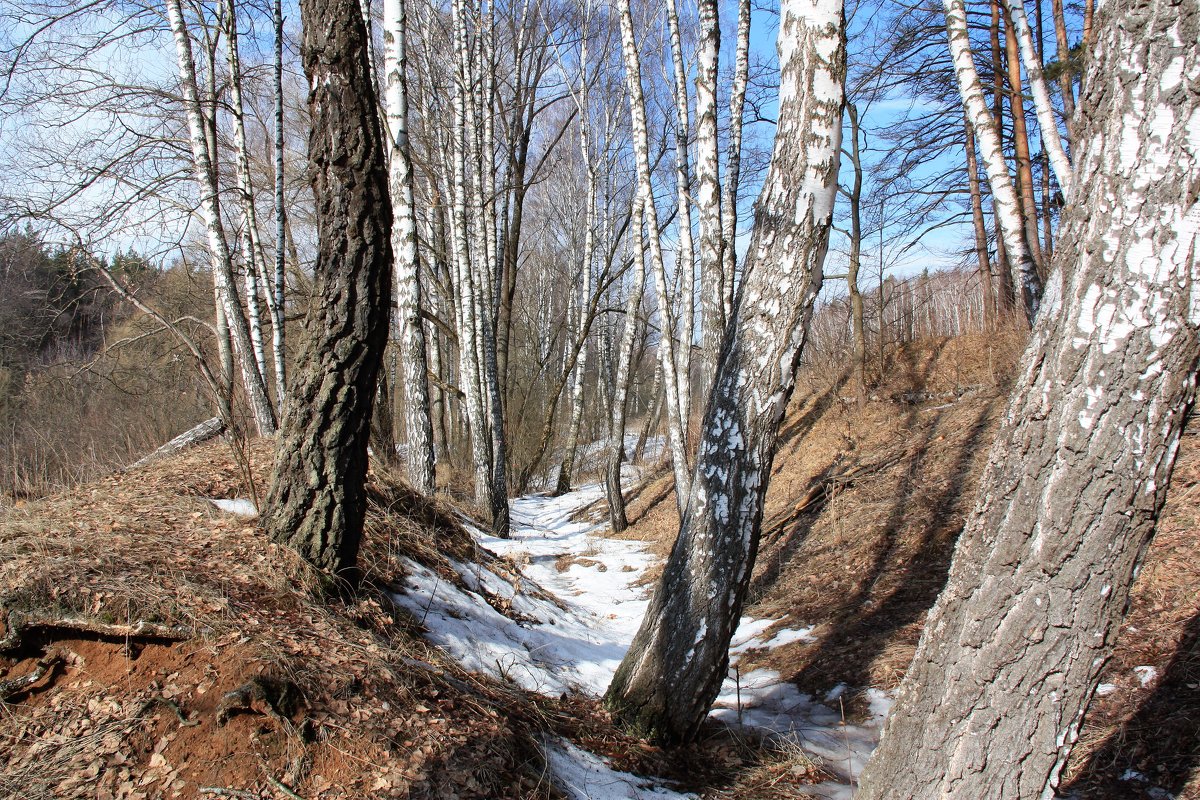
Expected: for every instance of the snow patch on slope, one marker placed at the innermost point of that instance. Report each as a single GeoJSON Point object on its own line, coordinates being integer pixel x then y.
{"type": "Point", "coordinates": [570, 614]}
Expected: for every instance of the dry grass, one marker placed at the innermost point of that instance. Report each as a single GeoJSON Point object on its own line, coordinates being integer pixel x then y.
{"type": "Point", "coordinates": [377, 712]}
{"type": "Point", "coordinates": [862, 514]}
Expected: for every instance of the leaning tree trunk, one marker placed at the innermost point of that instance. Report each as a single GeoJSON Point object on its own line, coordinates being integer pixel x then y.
{"type": "Point", "coordinates": [317, 502]}
{"type": "Point", "coordinates": [206, 182]}
{"type": "Point", "coordinates": [413, 358]}
{"type": "Point", "coordinates": [1013, 649]}
{"type": "Point", "coordinates": [1004, 197]}
{"type": "Point", "coordinates": [674, 669]}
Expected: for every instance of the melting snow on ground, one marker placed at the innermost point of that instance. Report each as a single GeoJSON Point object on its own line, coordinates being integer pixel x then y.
{"type": "Point", "coordinates": [570, 619]}
{"type": "Point", "coordinates": [241, 506]}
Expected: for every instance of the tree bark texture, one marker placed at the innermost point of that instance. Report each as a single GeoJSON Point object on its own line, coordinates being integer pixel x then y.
{"type": "Point", "coordinates": [316, 502]}
{"type": "Point", "coordinates": [1013, 649]}
{"type": "Point", "coordinates": [674, 669]}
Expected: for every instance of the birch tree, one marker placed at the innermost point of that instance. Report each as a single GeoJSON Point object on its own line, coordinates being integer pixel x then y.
{"type": "Point", "coordinates": [666, 684]}
{"type": "Point", "coordinates": [413, 358]}
{"type": "Point", "coordinates": [708, 200]}
{"type": "Point", "coordinates": [615, 451]}
{"type": "Point", "coordinates": [206, 183]}
{"type": "Point", "coordinates": [1004, 197]}
{"type": "Point", "coordinates": [316, 503]}
{"type": "Point", "coordinates": [666, 347]}
{"type": "Point", "coordinates": [1012, 651]}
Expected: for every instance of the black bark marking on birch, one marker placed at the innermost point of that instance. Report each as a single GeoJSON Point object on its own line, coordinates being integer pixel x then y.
{"type": "Point", "coordinates": [666, 684]}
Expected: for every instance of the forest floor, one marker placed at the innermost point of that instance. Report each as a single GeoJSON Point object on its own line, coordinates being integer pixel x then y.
{"type": "Point", "coordinates": [162, 647]}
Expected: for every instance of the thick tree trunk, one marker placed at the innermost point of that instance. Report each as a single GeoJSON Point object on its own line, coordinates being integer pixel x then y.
{"type": "Point", "coordinates": [1013, 649]}
{"type": "Point", "coordinates": [317, 502]}
{"type": "Point", "coordinates": [418, 429]}
{"type": "Point", "coordinates": [674, 669]}
{"type": "Point", "coordinates": [1004, 197]}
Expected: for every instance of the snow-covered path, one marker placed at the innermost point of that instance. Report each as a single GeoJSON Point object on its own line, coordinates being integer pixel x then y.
{"type": "Point", "coordinates": [565, 621]}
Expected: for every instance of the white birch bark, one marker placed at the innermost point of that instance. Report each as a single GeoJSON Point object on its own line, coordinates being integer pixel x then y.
{"type": "Point", "coordinates": [666, 684]}
{"type": "Point", "coordinates": [708, 197]}
{"type": "Point", "coordinates": [250, 259]}
{"type": "Point", "coordinates": [641, 149]}
{"type": "Point", "coordinates": [685, 262]}
{"type": "Point", "coordinates": [733, 158]}
{"type": "Point", "coordinates": [278, 332]}
{"type": "Point", "coordinates": [413, 356]}
{"type": "Point", "coordinates": [615, 452]}
{"type": "Point", "coordinates": [583, 99]}
{"type": "Point", "coordinates": [1041, 97]}
{"type": "Point", "coordinates": [252, 381]}
{"type": "Point", "coordinates": [1004, 196]}
{"type": "Point", "coordinates": [1012, 652]}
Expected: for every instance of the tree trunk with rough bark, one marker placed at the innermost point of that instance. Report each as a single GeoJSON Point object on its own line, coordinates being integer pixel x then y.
{"type": "Point", "coordinates": [1013, 649]}
{"type": "Point", "coordinates": [316, 503]}
{"type": "Point", "coordinates": [666, 684]}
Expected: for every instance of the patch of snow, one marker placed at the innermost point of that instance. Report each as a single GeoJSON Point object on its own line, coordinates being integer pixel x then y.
{"type": "Point", "coordinates": [1146, 674]}
{"type": "Point", "coordinates": [1105, 689]}
{"type": "Point", "coordinates": [576, 604]}
{"type": "Point", "coordinates": [241, 506]}
{"type": "Point", "coordinates": [581, 775]}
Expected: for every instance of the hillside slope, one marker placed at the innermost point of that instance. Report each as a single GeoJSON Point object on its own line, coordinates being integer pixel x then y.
{"type": "Point", "coordinates": [861, 518]}
{"type": "Point", "coordinates": [182, 651]}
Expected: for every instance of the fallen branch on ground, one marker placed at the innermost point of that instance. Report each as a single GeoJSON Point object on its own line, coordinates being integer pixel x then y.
{"type": "Point", "coordinates": [20, 623]}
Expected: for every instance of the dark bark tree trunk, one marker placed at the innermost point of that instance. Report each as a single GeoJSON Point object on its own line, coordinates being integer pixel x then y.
{"type": "Point", "coordinates": [1067, 504]}
{"type": "Point", "coordinates": [857, 321]}
{"type": "Point", "coordinates": [666, 684]}
{"type": "Point", "coordinates": [316, 502]}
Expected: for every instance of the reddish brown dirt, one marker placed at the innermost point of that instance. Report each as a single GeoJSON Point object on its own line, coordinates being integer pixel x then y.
{"type": "Point", "coordinates": [367, 709]}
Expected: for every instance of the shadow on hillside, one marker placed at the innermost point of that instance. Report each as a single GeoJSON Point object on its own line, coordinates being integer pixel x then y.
{"type": "Point", "coordinates": [1160, 741]}
{"type": "Point", "coordinates": [898, 572]}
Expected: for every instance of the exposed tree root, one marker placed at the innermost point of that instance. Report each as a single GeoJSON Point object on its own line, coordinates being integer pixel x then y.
{"type": "Point", "coordinates": [20, 623]}
{"type": "Point", "coordinates": [15, 686]}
